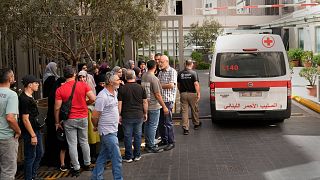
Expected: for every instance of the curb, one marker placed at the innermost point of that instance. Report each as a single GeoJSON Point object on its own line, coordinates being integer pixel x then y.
{"type": "Point", "coordinates": [308, 103]}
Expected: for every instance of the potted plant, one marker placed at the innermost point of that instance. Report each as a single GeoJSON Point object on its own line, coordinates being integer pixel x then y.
{"type": "Point", "coordinates": [310, 74]}
{"type": "Point", "coordinates": [307, 58]}
{"type": "Point", "coordinates": [295, 56]}
{"type": "Point", "coordinates": [316, 59]}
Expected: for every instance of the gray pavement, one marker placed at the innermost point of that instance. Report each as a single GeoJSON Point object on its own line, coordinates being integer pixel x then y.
{"type": "Point", "coordinates": [236, 150]}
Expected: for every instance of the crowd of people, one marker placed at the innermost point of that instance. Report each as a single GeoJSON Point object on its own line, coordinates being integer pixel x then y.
{"type": "Point", "coordinates": [134, 98]}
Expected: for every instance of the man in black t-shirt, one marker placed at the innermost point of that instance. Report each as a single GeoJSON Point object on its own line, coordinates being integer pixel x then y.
{"type": "Point", "coordinates": [133, 109]}
{"type": "Point", "coordinates": [188, 84]}
{"type": "Point", "coordinates": [28, 112]}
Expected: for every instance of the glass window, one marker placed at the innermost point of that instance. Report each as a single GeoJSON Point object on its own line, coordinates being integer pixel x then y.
{"type": "Point", "coordinates": [318, 39]}
{"type": "Point", "coordinates": [240, 4]}
{"type": "Point", "coordinates": [250, 65]}
{"type": "Point", "coordinates": [271, 10]}
{"type": "Point", "coordinates": [301, 38]}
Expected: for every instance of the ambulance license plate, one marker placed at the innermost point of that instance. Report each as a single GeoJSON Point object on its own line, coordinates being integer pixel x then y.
{"type": "Point", "coordinates": [250, 94]}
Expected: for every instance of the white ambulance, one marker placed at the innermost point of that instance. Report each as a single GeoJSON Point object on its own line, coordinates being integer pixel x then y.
{"type": "Point", "coordinates": [250, 78]}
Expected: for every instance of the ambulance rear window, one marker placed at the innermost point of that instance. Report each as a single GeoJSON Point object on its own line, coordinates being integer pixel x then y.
{"type": "Point", "coordinates": [250, 65]}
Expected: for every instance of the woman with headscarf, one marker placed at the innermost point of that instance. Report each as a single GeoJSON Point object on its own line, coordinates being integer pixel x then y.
{"type": "Point", "coordinates": [49, 78]}
{"type": "Point", "coordinates": [104, 68]}
{"type": "Point", "coordinates": [100, 81]}
{"type": "Point", "coordinates": [88, 78]}
{"type": "Point", "coordinates": [91, 65]}
{"type": "Point", "coordinates": [118, 71]}
{"type": "Point", "coordinates": [123, 77]}
{"type": "Point", "coordinates": [130, 64]}
{"type": "Point", "coordinates": [93, 136]}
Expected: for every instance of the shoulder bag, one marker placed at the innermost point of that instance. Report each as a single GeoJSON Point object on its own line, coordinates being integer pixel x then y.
{"type": "Point", "coordinates": [66, 106]}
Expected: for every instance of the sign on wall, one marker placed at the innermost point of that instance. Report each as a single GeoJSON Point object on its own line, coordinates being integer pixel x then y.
{"type": "Point", "coordinates": [208, 7]}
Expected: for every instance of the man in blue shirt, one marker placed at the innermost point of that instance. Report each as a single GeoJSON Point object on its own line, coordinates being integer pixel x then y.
{"type": "Point", "coordinates": [9, 128]}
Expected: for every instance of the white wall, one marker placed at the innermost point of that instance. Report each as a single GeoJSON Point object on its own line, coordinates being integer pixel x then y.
{"type": "Point", "coordinates": [309, 39]}
{"type": "Point", "coordinates": [230, 21]}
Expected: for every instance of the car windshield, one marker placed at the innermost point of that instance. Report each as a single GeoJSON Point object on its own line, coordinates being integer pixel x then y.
{"type": "Point", "coordinates": [250, 65]}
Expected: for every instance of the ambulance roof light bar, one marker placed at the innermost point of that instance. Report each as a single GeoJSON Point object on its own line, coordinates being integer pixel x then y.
{"type": "Point", "coordinates": [247, 31]}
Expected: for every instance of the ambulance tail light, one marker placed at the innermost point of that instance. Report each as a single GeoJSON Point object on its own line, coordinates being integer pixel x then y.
{"type": "Point", "coordinates": [289, 89]}
{"type": "Point", "coordinates": [212, 91]}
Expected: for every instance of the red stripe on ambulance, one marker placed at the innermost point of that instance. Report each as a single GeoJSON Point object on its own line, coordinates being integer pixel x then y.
{"type": "Point", "coordinates": [251, 84]}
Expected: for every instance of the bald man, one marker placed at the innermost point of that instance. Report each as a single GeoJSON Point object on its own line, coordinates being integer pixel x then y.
{"type": "Point", "coordinates": [168, 80]}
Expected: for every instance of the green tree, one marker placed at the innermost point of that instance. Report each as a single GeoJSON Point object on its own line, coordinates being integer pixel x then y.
{"type": "Point", "coordinates": [70, 28]}
{"type": "Point", "coordinates": [203, 35]}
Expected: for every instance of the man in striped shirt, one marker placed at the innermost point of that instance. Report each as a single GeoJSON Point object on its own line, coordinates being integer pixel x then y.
{"type": "Point", "coordinates": [168, 80]}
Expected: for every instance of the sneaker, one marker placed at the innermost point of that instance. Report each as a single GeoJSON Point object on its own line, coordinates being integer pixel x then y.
{"type": "Point", "coordinates": [137, 158]}
{"type": "Point", "coordinates": [185, 132]}
{"type": "Point", "coordinates": [169, 147]}
{"type": "Point", "coordinates": [87, 168]}
{"type": "Point", "coordinates": [63, 168]}
{"type": "Point", "coordinates": [196, 127]}
{"type": "Point", "coordinates": [161, 143]}
{"type": "Point", "coordinates": [127, 160]}
{"type": "Point", "coordinates": [75, 173]}
{"type": "Point", "coordinates": [153, 150]}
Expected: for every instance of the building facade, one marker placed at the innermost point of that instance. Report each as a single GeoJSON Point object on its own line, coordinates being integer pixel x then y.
{"type": "Point", "coordinates": [300, 29]}
{"type": "Point", "coordinates": [231, 14]}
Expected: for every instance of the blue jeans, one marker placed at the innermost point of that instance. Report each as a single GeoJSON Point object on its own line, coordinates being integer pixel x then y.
{"type": "Point", "coordinates": [166, 125]}
{"type": "Point", "coordinates": [32, 155]}
{"type": "Point", "coordinates": [150, 127]}
{"type": "Point", "coordinates": [77, 130]}
{"type": "Point", "coordinates": [109, 150]}
{"type": "Point", "coordinates": [132, 126]}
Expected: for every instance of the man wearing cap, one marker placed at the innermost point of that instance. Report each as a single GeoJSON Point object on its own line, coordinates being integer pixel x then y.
{"type": "Point", "coordinates": [33, 149]}
{"type": "Point", "coordinates": [188, 84]}
{"type": "Point", "coordinates": [9, 128]}
{"type": "Point", "coordinates": [76, 126]}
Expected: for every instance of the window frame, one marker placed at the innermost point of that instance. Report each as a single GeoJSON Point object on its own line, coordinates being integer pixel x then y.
{"type": "Point", "coordinates": [317, 39]}
{"type": "Point", "coordinates": [301, 38]}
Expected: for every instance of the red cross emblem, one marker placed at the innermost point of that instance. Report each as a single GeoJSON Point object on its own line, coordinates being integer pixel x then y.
{"type": "Point", "coordinates": [268, 41]}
